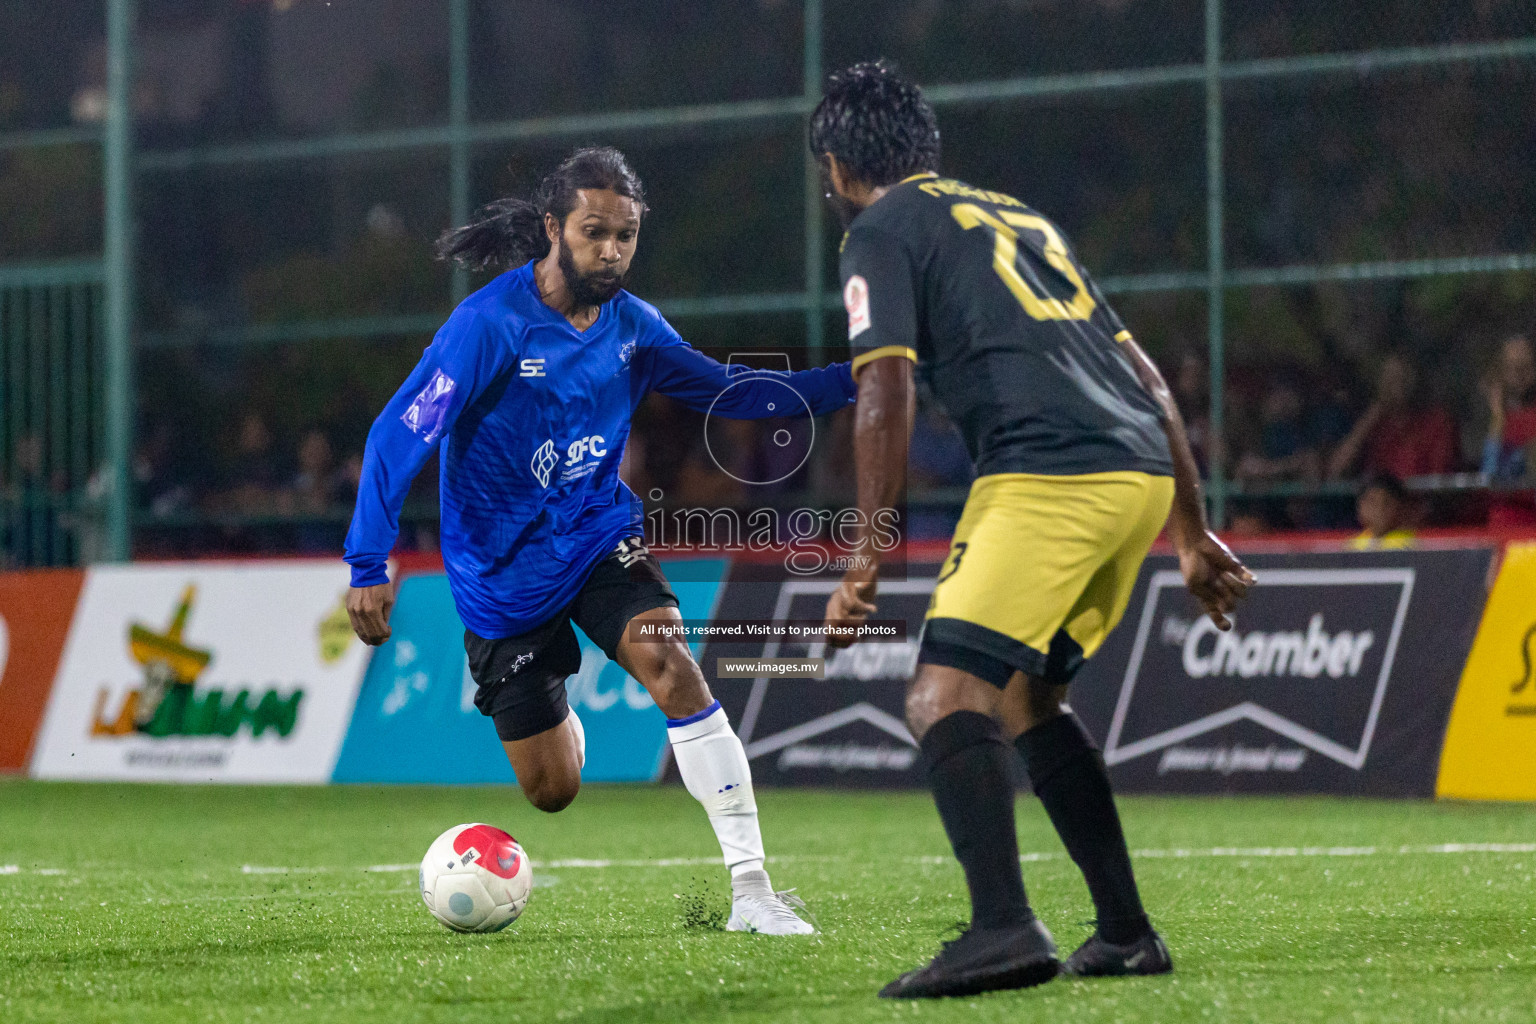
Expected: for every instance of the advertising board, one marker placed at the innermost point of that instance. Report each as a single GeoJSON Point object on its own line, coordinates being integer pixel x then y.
{"type": "Point", "coordinates": [1337, 676]}
{"type": "Point", "coordinates": [35, 611]}
{"type": "Point", "coordinates": [416, 722]}
{"type": "Point", "coordinates": [844, 729]}
{"type": "Point", "coordinates": [1490, 745]}
{"type": "Point", "coordinates": [197, 672]}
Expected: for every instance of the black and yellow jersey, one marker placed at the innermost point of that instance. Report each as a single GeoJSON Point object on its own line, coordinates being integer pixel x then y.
{"type": "Point", "coordinates": [1011, 333]}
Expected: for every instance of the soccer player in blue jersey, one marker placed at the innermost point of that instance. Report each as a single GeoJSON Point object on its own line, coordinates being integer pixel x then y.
{"type": "Point", "coordinates": [528, 390]}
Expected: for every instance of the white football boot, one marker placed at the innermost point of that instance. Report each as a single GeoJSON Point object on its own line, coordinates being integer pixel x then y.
{"type": "Point", "coordinates": [756, 908]}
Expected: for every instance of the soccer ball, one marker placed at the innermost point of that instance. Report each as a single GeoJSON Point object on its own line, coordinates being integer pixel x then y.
{"type": "Point", "coordinates": [476, 878]}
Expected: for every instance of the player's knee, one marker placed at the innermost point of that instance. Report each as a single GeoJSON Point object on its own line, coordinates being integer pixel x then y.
{"type": "Point", "coordinates": [918, 710]}
{"type": "Point", "coordinates": [552, 791]}
{"type": "Point", "coordinates": [678, 687]}
{"type": "Point", "coordinates": [939, 691]}
{"type": "Point", "coordinates": [648, 661]}
{"type": "Point", "coordinates": [926, 703]}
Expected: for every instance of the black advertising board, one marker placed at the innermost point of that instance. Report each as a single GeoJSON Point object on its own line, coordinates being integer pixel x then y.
{"type": "Point", "coordinates": [846, 729]}
{"type": "Point", "coordinates": [1338, 676]}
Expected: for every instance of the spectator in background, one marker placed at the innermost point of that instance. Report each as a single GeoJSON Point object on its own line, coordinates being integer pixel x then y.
{"type": "Point", "coordinates": [1285, 449]}
{"type": "Point", "coordinates": [1398, 434]}
{"type": "Point", "coordinates": [29, 531]}
{"type": "Point", "coordinates": [1329, 414]}
{"type": "Point", "coordinates": [1509, 451]}
{"type": "Point", "coordinates": [157, 486]}
{"type": "Point", "coordinates": [1192, 392]}
{"type": "Point", "coordinates": [254, 479]}
{"type": "Point", "coordinates": [1385, 513]}
{"type": "Point", "coordinates": [314, 495]}
{"type": "Point", "coordinates": [315, 488]}
{"type": "Point", "coordinates": [348, 479]}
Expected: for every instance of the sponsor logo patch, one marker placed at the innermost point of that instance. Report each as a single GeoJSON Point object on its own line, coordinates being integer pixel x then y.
{"type": "Point", "coordinates": [856, 302]}
{"type": "Point", "coordinates": [427, 413]}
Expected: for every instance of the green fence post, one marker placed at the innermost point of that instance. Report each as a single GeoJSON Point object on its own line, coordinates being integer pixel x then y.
{"type": "Point", "coordinates": [814, 269]}
{"type": "Point", "coordinates": [58, 422]}
{"type": "Point", "coordinates": [119, 253]}
{"type": "Point", "coordinates": [79, 420]}
{"type": "Point", "coordinates": [1215, 262]}
{"type": "Point", "coordinates": [458, 125]}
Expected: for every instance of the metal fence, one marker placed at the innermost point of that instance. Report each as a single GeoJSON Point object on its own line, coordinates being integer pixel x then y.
{"type": "Point", "coordinates": [68, 338]}
{"type": "Point", "coordinates": [50, 390]}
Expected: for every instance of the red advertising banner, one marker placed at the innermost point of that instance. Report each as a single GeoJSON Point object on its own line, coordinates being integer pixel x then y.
{"type": "Point", "coordinates": [35, 612]}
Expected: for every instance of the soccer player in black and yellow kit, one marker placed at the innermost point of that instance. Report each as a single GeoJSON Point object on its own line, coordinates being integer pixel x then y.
{"type": "Point", "coordinates": [1080, 455]}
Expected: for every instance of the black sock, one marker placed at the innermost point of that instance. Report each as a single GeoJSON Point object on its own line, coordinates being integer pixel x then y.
{"type": "Point", "coordinates": [1069, 777]}
{"type": "Point", "coordinates": [968, 770]}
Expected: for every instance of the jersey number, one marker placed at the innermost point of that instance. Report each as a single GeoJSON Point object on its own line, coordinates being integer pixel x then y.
{"type": "Point", "coordinates": [1005, 258]}
{"type": "Point", "coordinates": [953, 561]}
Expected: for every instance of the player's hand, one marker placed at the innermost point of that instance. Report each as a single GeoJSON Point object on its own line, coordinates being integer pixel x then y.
{"type": "Point", "coordinates": [369, 608]}
{"type": "Point", "coordinates": [1214, 575]}
{"type": "Point", "coordinates": [851, 604]}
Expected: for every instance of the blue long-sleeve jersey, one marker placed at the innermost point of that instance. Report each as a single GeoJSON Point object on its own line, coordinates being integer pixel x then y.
{"type": "Point", "coordinates": [533, 416]}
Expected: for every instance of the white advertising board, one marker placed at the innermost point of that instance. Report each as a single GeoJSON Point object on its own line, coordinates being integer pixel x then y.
{"type": "Point", "coordinates": [204, 672]}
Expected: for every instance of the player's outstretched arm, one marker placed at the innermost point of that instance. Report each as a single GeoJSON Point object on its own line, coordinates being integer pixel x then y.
{"type": "Point", "coordinates": [882, 430]}
{"type": "Point", "coordinates": [455, 368]}
{"type": "Point", "coordinates": [1213, 574]}
{"type": "Point", "coordinates": [680, 371]}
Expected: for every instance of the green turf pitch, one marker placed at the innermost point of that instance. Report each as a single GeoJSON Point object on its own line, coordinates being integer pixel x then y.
{"type": "Point", "coordinates": [140, 903]}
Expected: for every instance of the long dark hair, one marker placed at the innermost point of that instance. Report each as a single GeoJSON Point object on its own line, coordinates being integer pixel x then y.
{"type": "Point", "coordinates": [510, 232]}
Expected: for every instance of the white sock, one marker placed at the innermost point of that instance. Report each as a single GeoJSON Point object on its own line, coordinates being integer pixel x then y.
{"type": "Point", "coordinates": [581, 738]}
{"type": "Point", "coordinates": [714, 768]}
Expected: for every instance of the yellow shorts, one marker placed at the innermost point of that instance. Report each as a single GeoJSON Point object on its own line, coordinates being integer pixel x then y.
{"type": "Point", "coordinates": [1040, 570]}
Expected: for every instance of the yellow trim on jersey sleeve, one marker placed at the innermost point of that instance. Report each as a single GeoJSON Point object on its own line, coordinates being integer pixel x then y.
{"type": "Point", "coordinates": [865, 358]}
{"type": "Point", "coordinates": [919, 174]}
{"type": "Point", "coordinates": [1124, 336]}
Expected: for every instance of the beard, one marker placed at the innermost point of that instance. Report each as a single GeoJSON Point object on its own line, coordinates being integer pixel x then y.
{"type": "Point", "coordinates": [587, 290]}
{"type": "Point", "coordinates": [844, 209]}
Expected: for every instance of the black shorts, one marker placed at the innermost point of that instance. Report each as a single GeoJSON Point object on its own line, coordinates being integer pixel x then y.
{"type": "Point", "coordinates": [520, 680]}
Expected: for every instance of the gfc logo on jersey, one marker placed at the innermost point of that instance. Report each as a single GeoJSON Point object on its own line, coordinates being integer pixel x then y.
{"type": "Point", "coordinates": [579, 448]}
{"type": "Point", "coordinates": [576, 464]}
{"type": "Point", "coordinates": [531, 368]}
{"type": "Point", "coordinates": [427, 413]}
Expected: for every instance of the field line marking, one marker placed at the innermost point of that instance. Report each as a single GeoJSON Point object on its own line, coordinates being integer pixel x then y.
{"type": "Point", "coordinates": [1338, 851]}
{"type": "Point", "coordinates": [1026, 858]}
{"type": "Point", "coordinates": [1172, 853]}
